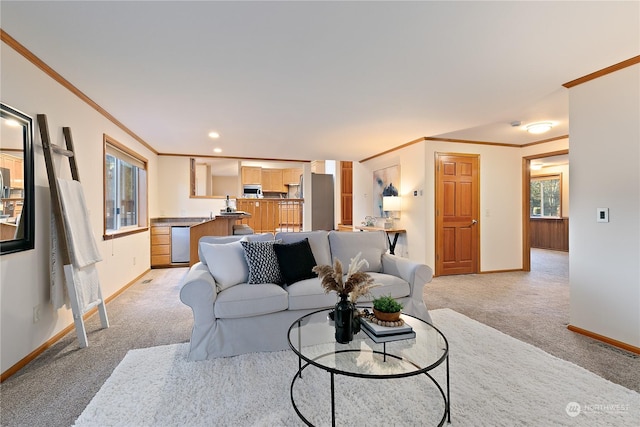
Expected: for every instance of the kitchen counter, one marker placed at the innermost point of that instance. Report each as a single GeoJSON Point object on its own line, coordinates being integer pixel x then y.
{"type": "Point", "coordinates": [221, 225]}
{"type": "Point", "coordinates": [178, 221]}
{"type": "Point", "coordinates": [280, 199]}
{"type": "Point", "coordinates": [173, 238]}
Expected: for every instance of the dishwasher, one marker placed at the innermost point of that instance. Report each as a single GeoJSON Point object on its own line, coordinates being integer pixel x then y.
{"type": "Point", "coordinates": [179, 244]}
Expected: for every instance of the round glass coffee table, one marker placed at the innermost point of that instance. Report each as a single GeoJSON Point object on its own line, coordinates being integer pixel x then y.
{"type": "Point", "coordinates": [312, 338]}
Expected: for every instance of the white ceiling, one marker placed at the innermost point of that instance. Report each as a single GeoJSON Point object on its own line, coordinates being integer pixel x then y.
{"type": "Point", "coordinates": [325, 80]}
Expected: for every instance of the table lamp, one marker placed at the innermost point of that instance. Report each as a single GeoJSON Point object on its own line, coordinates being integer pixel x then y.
{"type": "Point", "coordinates": [390, 204]}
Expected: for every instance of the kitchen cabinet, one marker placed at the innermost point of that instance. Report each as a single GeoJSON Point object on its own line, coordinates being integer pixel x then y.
{"type": "Point", "coordinates": [251, 175]}
{"type": "Point", "coordinates": [272, 181]}
{"type": "Point", "coordinates": [170, 241]}
{"type": "Point", "coordinates": [291, 176]}
{"type": "Point", "coordinates": [160, 245]}
{"type": "Point", "coordinates": [16, 170]}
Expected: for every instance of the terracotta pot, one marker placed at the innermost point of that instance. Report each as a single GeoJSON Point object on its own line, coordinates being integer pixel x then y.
{"type": "Point", "coordinates": [387, 317]}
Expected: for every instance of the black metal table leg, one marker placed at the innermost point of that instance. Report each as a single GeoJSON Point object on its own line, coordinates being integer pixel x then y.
{"type": "Point", "coordinates": [392, 246]}
{"type": "Point", "coordinates": [333, 403]}
{"type": "Point", "coordinates": [448, 395]}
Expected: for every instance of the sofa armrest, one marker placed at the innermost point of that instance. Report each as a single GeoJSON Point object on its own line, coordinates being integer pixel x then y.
{"type": "Point", "coordinates": [199, 287]}
{"type": "Point", "coordinates": [417, 275]}
{"type": "Point", "coordinates": [198, 291]}
{"type": "Point", "coordinates": [413, 272]}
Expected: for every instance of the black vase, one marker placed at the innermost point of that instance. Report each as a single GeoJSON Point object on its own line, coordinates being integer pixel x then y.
{"type": "Point", "coordinates": [343, 317]}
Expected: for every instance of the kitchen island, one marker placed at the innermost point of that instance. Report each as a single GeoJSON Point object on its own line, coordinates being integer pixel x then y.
{"type": "Point", "coordinates": [174, 238]}
{"type": "Point", "coordinates": [221, 225]}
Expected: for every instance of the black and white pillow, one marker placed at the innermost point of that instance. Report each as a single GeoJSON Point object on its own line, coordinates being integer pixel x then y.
{"type": "Point", "coordinates": [262, 261]}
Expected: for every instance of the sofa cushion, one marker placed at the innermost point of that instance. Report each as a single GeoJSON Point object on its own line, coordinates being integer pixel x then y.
{"type": "Point", "coordinates": [245, 300]}
{"type": "Point", "coordinates": [345, 246]}
{"type": "Point", "coordinates": [296, 261]}
{"type": "Point", "coordinates": [226, 262]}
{"type": "Point", "coordinates": [391, 285]}
{"type": "Point", "coordinates": [217, 240]}
{"type": "Point", "coordinates": [262, 261]}
{"type": "Point", "coordinates": [308, 294]}
{"type": "Point", "coordinates": [318, 240]}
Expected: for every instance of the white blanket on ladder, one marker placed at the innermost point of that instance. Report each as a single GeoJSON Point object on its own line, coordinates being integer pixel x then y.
{"type": "Point", "coordinates": [83, 250]}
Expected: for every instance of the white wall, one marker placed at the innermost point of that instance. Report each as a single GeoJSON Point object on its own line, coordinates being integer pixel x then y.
{"type": "Point", "coordinates": [605, 163]}
{"type": "Point", "coordinates": [24, 276]}
{"type": "Point", "coordinates": [500, 198]}
{"type": "Point", "coordinates": [173, 191]}
{"type": "Point", "coordinates": [412, 177]}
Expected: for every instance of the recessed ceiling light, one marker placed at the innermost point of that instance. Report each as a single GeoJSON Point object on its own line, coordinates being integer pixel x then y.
{"type": "Point", "coordinates": [217, 150]}
{"type": "Point", "coordinates": [12, 123]}
{"type": "Point", "coordinates": [540, 127]}
{"type": "Point", "coordinates": [214, 135]}
{"type": "Point", "coordinates": [536, 166]}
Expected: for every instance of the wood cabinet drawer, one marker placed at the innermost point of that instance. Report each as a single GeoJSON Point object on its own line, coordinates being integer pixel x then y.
{"type": "Point", "coordinates": [160, 260]}
{"type": "Point", "coordinates": [161, 249]}
{"type": "Point", "coordinates": [163, 229]}
{"type": "Point", "coordinates": [160, 239]}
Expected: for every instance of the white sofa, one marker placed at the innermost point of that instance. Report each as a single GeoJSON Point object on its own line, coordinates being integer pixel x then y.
{"type": "Point", "coordinates": [235, 318]}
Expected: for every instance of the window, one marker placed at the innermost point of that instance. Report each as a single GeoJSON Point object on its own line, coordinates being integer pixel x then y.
{"type": "Point", "coordinates": [125, 190]}
{"type": "Point", "coordinates": [546, 197]}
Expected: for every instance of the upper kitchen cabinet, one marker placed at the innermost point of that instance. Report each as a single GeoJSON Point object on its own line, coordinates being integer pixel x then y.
{"type": "Point", "coordinates": [251, 175]}
{"type": "Point", "coordinates": [291, 176]}
{"type": "Point", "coordinates": [14, 165]}
{"type": "Point", "coordinates": [272, 181]}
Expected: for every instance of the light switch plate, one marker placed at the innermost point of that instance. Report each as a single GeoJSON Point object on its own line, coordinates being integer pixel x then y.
{"type": "Point", "coordinates": [602, 215]}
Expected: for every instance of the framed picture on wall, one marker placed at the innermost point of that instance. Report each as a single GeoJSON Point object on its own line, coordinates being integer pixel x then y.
{"type": "Point", "coordinates": [386, 182]}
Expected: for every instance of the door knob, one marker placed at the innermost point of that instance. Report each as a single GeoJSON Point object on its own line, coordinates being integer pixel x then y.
{"type": "Point", "coordinates": [474, 221]}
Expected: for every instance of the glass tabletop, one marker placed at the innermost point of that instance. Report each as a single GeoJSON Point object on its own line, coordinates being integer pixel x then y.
{"type": "Point", "coordinates": [312, 337]}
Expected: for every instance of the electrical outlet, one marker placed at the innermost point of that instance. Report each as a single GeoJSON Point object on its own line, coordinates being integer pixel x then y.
{"type": "Point", "coordinates": [37, 312]}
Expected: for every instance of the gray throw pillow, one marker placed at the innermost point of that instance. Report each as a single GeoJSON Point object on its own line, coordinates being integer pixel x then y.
{"type": "Point", "coordinates": [226, 263]}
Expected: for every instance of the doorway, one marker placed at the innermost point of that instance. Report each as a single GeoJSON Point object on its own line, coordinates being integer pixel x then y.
{"type": "Point", "coordinates": [560, 222]}
{"type": "Point", "coordinates": [457, 214]}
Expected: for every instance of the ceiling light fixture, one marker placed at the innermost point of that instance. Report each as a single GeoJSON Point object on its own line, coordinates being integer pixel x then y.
{"type": "Point", "coordinates": [214, 135]}
{"type": "Point", "coordinates": [217, 150]}
{"type": "Point", "coordinates": [540, 127]}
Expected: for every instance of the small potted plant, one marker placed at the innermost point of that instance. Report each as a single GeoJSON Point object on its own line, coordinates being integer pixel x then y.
{"type": "Point", "coordinates": [386, 308]}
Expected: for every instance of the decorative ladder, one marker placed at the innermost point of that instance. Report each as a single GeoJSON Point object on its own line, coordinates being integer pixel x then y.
{"type": "Point", "coordinates": [63, 237]}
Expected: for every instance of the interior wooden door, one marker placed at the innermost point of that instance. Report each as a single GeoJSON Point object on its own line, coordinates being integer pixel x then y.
{"type": "Point", "coordinates": [346, 193]}
{"type": "Point", "coordinates": [457, 214]}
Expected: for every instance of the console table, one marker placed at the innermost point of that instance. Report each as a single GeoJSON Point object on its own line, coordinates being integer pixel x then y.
{"type": "Point", "coordinates": [396, 232]}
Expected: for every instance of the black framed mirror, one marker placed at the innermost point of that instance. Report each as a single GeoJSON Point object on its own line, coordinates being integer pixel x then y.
{"type": "Point", "coordinates": [17, 195]}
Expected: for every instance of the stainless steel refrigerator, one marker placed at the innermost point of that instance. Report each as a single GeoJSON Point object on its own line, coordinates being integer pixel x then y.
{"type": "Point", "coordinates": [322, 206]}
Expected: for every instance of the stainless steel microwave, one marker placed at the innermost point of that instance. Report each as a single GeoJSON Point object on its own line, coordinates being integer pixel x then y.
{"type": "Point", "coordinates": [252, 191]}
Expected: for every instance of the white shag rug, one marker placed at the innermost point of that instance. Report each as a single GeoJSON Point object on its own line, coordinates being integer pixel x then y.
{"type": "Point", "coordinates": [496, 380]}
